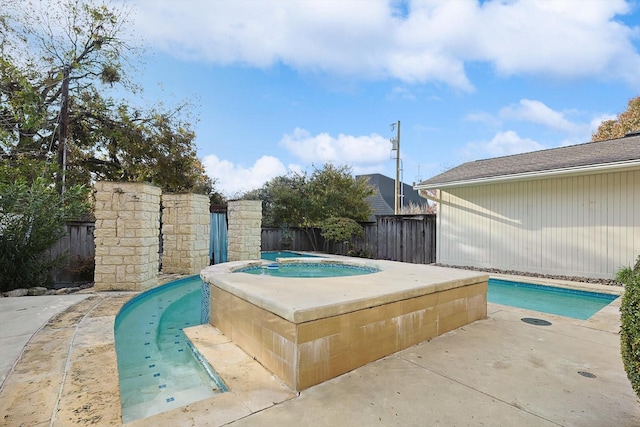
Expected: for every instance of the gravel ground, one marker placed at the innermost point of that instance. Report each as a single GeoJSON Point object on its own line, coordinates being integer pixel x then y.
{"type": "Point", "coordinates": [608, 282]}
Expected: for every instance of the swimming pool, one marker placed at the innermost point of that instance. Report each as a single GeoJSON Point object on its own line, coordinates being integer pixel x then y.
{"type": "Point", "coordinates": [158, 368]}
{"type": "Point", "coordinates": [573, 303]}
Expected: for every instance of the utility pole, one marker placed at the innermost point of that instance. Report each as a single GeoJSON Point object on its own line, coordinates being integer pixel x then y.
{"type": "Point", "coordinates": [395, 145]}
{"type": "Point", "coordinates": [62, 129]}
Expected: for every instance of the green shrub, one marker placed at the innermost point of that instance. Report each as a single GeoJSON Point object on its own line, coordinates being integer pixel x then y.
{"type": "Point", "coordinates": [340, 229]}
{"type": "Point", "coordinates": [32, 218]}
{"type": "Point", "coordinates": [630, 318]}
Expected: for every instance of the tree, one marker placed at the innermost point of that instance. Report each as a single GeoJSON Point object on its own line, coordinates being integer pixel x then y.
{"type": "Point", "coordinates": [105, 139]}
{"type": "Point", "coordinates": [32, 218]}
{"type": "Point", "coordinates": [626, 122]}
{"type": "Point", "coordinates": [285, 201]}
{"type": "Point", "coordinates": [45, 47]}
{"type": "Point", "coordinates": [331, 198]}
{"type": "Point", "coordinates": [133, 145]}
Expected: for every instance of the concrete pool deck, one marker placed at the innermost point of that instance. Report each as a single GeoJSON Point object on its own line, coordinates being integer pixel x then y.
{"type": "Point", "coordinates": [21, 318]}
{"type": "Point", "coordinates": [496, 371]}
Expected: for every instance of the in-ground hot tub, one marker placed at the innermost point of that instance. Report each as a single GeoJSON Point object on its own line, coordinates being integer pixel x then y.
{"type": "Point", "coordinates": [308, 330]}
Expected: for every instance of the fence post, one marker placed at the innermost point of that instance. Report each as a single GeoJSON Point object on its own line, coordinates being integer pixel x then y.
{"type": "Point", "coordinates": [126, 236]}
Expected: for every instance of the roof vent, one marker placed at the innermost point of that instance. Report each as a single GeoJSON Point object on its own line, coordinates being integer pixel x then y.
{"type": "Point", "coordinates": [633, 133]}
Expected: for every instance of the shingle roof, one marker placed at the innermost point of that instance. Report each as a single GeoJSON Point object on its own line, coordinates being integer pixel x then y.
{"type": "Point", "coordinates": [568, 158]}
{"type": "Point", "coordinates": [383, 202]}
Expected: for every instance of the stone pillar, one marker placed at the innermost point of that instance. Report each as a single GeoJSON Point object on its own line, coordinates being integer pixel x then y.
{"type": "Point", "coordinates": [245, 217]}
{"type": "Point", "coordinates": [185, 233]}
{"type": "Point", "coordinates": [126, 236]}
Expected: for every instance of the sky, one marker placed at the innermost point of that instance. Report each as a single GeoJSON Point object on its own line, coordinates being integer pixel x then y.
{"type": "Point", "coordinates": [282, 86]}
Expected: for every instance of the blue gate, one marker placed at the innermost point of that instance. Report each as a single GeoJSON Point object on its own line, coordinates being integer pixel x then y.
{"type": "Point", "coordinates": [218, 238]}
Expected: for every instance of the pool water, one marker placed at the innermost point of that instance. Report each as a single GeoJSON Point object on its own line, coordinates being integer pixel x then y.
{"type": "Point", "coordinates": [307, 270]}
{"type": "Point", "coordinates": [548, 299]}
{"type": "Point", "coordinates": [273, 255]}
{"type": "Point", "coordinates": [158, 368]}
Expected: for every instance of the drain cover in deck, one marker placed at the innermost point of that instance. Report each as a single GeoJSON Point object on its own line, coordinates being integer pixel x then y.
{"type": "Point", "coordinates": [534, 321]}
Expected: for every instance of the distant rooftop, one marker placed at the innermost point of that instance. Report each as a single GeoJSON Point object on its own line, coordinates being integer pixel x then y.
{"type": "Point", "coordinates": [383, 202]}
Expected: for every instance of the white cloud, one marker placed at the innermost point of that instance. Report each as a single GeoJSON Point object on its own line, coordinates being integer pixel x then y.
{"type": "Point", "coordinates": [373, 168]}
{"type": "Point", "coordinates": [502, 144]}
{"type": "Point", "coordinates": [233, 180]}
{"type": "Point", "coordinates": [537, 112]}
{"type": "Point", "coordinates": [483, 117]}
{"type": "Point", "coordinates": [402, 93]}
{"type": "Point", "coordinates": [431, 43]}
{"type": "Point", "coordinates": [324, 148]}
{"type": "Point", "coordinates": [597, 121]}
{"type": "Point", "coordinates": [365, 154]}
{"type": "Point", "coordinates": [562, 38]}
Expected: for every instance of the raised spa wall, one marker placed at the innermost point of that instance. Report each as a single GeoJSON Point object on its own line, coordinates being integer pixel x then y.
{"type": "Point", "coordinates": [306, 345]}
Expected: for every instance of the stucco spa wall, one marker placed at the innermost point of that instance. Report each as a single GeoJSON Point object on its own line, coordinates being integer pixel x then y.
{"type": "Point", "coordinates": [308, 353]}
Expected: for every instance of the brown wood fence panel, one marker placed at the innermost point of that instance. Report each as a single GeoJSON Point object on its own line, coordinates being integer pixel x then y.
{"type": "Point", "coordinates": [78, 247]}
{"type": "Point", "coordinates": [405, 238]}
{"type": "Point", "coordinates": [270, 240]}
{"type": "Point", "coordinates": [365, 246]}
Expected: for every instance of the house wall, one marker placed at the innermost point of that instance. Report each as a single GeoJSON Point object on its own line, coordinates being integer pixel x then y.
{"type": "Point", "coordinates": [586, 226]}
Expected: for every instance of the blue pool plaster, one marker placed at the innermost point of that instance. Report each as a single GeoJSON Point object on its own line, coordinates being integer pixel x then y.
{"type": "Point", "coordinates": [158, 368]}
{"type": "Point", "coordinates": [574, 303]}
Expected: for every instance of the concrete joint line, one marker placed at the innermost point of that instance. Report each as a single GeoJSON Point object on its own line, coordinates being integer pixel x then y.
{"type": "Point", "coordinates": [67, 364]}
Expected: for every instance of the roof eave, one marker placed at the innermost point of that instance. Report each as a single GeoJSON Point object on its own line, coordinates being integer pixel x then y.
{"type": "Point", "coordinates": [552, 173]}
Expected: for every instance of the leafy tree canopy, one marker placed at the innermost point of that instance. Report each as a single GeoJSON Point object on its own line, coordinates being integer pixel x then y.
{"type": "Point", "coordinates": [331, 197]}
{"type": "Point", "coordinates": [626, 122]}
{"type": "Point", "coordinates": [106, 138]}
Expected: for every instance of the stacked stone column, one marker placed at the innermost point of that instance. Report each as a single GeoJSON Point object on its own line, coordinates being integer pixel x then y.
{"type": "Point", "coordinates": [126, 236]}
{"type": "Point", "coordinates": [244, 219]}
{"type": "Point", "coordinates": [185, 233]}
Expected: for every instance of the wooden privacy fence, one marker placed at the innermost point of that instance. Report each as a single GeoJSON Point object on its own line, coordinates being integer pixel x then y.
{"type": "Point", "coordinates": [405, 238]}
{"type": "Point", "coordinates": [80, 250]}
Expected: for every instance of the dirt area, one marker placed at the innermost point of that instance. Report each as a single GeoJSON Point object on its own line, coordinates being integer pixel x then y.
{"type": "Point", "coordinates": [608, 282]}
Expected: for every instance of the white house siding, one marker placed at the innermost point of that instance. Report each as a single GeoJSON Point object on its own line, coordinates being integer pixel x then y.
{"type": "Point", "coordinates": [586, 226]}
